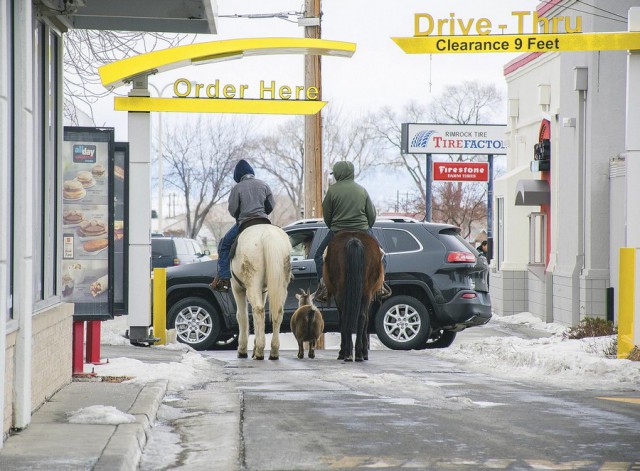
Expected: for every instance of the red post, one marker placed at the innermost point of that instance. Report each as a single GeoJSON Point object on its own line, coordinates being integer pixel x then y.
{"type": "Point", "coordinates": [93, 341]}
{"type": "Point", "coordinates": [78, 343]}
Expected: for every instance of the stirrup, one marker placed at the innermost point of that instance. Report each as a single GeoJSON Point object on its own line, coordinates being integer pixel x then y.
{"type": "Point", "coordinates": [221, 284]}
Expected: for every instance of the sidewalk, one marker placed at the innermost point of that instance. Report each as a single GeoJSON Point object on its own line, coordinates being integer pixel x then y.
{"type": "Point", "coordinates": [104, 442]}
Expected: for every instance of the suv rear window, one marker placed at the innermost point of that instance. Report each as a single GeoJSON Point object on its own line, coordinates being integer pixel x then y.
{"type": "Point", "coordinates": [162, 248]}
{"type": "Point", "coordinates": [454, 242]}
{"type": "Point", "coordinates": [400, 241]}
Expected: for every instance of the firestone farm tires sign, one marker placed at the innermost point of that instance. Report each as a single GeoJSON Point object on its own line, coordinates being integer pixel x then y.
{"type": "Point", "coordinates": [454, 139]}
{"type": "Point", "coordinates": [461, 171]}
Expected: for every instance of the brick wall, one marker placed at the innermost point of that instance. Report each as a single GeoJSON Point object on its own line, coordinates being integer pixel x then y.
{"type": "Point", "coordinates": [52, 349]}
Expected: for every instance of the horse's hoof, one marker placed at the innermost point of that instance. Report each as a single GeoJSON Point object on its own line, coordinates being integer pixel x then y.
{"type": "Point", "coordinates": [243, 355]}
{"type": "Point", "coordinates": [273, 358]}
{"type": "Point", "coordinates": [258, 357]}
{"type": "Point", "coordinates": [300, 356]}
{"type": "Point", "coordinates": [312, 355]}
{"type": "Point", "coordinates": [348, 359]}
{"type": "Point", "coordinates": [341, 356]}
{"type": "Point", "coordinates": [359, 359]}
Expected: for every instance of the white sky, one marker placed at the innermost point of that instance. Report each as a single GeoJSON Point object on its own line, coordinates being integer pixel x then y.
{"type": "Point", "coordinates": [379, 74]}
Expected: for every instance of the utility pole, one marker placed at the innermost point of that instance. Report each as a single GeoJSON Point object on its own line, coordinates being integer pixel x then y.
{"type": "Point", "coordinates": [313, 123]}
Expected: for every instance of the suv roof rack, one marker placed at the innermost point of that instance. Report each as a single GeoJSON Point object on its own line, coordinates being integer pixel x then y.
{"type": "Point", "coordinates": [306, 221]}
{"type": "Point", "coordinates": [397, 219]}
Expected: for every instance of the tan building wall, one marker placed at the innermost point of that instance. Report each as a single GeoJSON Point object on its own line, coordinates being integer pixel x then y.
{"type": "Point", "coordinates": [52, 352]}
{"type": "Point", "coordinates": [51, 359]}
{"type": "Point", "coordinates": [8, 382]}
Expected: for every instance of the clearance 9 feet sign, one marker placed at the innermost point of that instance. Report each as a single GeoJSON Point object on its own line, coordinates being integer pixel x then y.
{"type": "Point", "coordinates": [87, 221]}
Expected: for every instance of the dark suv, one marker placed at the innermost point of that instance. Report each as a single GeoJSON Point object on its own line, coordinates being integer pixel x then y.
{"type": "Point", "coordinates": [172, 251]}
{"type": "Point", "coordinates": [439, 285]}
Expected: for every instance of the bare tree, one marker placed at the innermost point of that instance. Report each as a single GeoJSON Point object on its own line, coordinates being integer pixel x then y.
{"type": "Point", "coordinates": [86, 50]}
{"type": "Point", "coordinates": [200, 157]}
{"type": "Point", "coordinates": [465, 103]}
{"type": "Point", "coordinates": [350, 139]}
{"type": "Point", "coordinates": [460, 204]}
{"type": "Point", "coordinates": [387, 127]}
{"type": "Point", "coordinates": [470, 102]}
{"type": "Point", "coordinates": [281, 154]}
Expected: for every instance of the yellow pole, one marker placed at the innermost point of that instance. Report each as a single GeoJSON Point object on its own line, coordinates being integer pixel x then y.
{"type": "Point", "coordinates": [160, 304]}
{"type": "Point", "coordinates": [626, 301]}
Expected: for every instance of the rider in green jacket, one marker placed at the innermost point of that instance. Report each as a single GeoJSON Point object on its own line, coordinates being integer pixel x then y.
{"type": "Point", "coordinates": [346, 207]}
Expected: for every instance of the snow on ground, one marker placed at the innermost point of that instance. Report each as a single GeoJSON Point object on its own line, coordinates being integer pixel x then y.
{"type": "Point", "coordinates": [572, 364]}
{"type": "Point", "coordinates": [575, 364]}
{"type": "Point", "coordinates": [100, 415]}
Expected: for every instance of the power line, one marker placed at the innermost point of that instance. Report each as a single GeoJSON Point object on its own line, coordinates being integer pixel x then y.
{"type": "Point", "coordinates": [281, 15]}
{"type": "Point", "coordinates": [589, 13]}
{"type": "Point", "coordinates": [602, 9]}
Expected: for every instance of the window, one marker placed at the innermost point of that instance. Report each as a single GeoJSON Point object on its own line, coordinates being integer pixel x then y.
{"type": "Point", "coordinates": [398, 241]}
{"type": "Point", "coordinates": [47, 45]}
{"type": "Point", "coordinates": [537, 245]}
{"type": "Point", "coordinates": [301, 244]}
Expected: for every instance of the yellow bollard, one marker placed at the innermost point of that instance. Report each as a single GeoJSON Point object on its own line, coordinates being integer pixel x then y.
{"type": "Point", "coordinates": [626, 301]}
{"type": "Point", "coordinates": [160, 304]}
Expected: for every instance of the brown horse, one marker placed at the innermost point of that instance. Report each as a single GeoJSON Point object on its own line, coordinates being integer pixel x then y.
{"type": "Point", "coordinates": [353, 273]}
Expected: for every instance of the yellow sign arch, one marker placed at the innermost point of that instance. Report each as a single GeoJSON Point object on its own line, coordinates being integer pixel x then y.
{"type": "Point", "coordinates": [118, 73]}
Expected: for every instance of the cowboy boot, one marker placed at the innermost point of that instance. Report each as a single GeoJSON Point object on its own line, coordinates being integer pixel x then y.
{"type": "Point", "coordinates": [321, 293]}
{"type": "Point", "coordinates": [221, 284]}
{"type": "Point", "coordinates": [385, 291]}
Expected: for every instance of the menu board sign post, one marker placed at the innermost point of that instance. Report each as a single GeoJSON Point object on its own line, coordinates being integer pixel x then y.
{"type": "Point", "coordinates": [88, 221]}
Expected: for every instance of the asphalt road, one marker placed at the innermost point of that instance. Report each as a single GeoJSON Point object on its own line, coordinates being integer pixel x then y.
{"type": "Point", "coordinates": [409, 410]}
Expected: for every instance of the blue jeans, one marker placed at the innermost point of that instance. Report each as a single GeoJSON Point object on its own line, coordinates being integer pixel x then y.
{"type": "Point", "coordinates": [224, 249]}
{"type": "Point", "coordinates": [323, 245]}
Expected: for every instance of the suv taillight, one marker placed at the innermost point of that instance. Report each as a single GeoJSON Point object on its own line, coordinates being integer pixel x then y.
{"type": "Point", "coordinates": [176, 261]}
{"type": "Point", "coordinates": [461, 257]}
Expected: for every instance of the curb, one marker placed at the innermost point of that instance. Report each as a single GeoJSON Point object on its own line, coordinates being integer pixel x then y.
{"type": "Point", "coordinates": [124, 449]}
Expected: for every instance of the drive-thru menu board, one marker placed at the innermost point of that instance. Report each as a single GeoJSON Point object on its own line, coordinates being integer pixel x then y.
{"type": "Point", "coordinates": [87, 222]}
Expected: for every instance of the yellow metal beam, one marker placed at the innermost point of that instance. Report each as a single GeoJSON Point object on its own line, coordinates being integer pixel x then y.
{"type": "Point", "coordinates": [519, 43]}
{"type": "Point", "coordinates": [626, 300]}
{"type": "Point", "coordinates": [222, 105]}
{"type": "Point", "coordinates": [160, 304]}
{"type": "Point", "coordinates": [117, 73]}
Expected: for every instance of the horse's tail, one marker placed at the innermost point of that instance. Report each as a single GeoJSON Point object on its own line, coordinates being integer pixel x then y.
{"type": "Point", "coordinates": [276, 249]}
{"type": "Point", "coordinates": [355, 282]}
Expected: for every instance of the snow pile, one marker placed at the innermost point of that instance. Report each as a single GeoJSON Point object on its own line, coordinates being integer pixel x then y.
{"type": "Point", "coordinates": [529, 320]}
{"type": "Point", "coordinates": [100, 415]}
{"type": "Point", "coordinates": [572, 364]}
{"type": "Point", "coordinates": [191, 370]}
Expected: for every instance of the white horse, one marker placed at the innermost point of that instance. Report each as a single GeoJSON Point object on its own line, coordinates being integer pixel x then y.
{"type": "Point", "coordinates": [261, 266]}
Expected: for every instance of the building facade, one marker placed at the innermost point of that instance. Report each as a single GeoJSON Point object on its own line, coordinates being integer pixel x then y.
{"type": "Point", "coordinates": [559, 223]}
{"type": "Point", "coordinates": [35, 325]}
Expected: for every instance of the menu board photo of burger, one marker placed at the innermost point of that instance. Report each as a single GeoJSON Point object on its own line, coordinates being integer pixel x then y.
{"type": "Point", "coordinates": [86, 193]}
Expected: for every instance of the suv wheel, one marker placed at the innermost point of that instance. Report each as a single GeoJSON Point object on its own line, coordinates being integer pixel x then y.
{"type": "Point", "coordinates": [439, 339]}
{"type": "Point", "coordinates": [196, 322]}
{"type": "Point", "coordinates": [402, 323]}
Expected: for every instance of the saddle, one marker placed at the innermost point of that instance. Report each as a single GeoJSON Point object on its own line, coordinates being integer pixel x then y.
{"type": "Point", "coordinates": [246, 224]}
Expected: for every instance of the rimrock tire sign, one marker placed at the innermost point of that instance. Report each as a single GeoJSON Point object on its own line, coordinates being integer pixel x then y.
{"type": "Point", "coordinates": [465, 139]}
{"type": "Point", "coordinates": [461, 171]}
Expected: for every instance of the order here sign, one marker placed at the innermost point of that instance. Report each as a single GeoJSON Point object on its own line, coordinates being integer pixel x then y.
{"type": "Point", "coordinates": [461, 171]}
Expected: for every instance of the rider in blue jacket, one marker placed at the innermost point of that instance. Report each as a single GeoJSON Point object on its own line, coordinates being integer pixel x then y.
{"type": "Point", "coordinates": [250, 198]}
